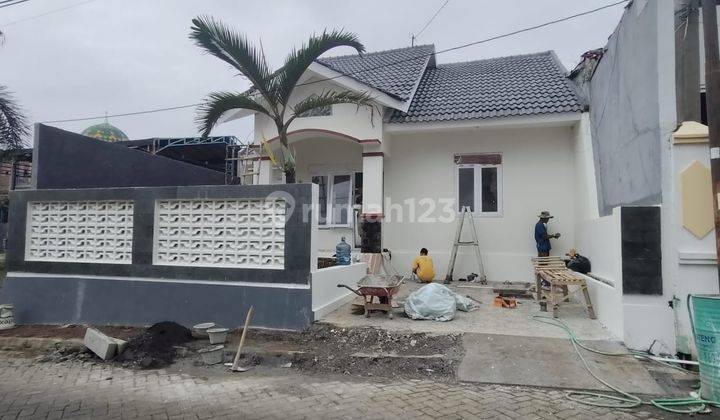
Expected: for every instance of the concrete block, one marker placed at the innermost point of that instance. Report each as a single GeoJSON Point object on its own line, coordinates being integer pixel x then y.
{"type": "Point", "coordinates": [102, 345]}
{"type": "Point", "coordinates": [121, 345]}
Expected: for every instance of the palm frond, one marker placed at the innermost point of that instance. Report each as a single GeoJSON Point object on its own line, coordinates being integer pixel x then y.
{"type": "Point", "coordinates": [13, 127]}
{"type": "Point", "coordinates": [224, 43]}
{"type": "Point", "coordinates": [329, 98]}
{"type": "Point", "coordinates": [218, 103]}
{"type": "Point", "coordinates": [297, 62]}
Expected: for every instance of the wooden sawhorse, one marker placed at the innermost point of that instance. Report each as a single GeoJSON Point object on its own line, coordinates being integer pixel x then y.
{"type": "Point", "coordinates": [553, 271]}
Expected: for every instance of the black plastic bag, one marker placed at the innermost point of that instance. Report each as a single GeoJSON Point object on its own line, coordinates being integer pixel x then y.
{"type": "Point", "coordinates": [579, 263]}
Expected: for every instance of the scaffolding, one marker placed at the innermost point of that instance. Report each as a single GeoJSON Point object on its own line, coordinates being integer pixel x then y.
{"type": "Point", "coordinates": [242, 164]}
{"type": "Point", "coordinates": [160, 144]}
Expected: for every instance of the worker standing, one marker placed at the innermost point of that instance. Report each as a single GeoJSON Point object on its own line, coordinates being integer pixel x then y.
{"type": "Point", "coordinates": [542, 237]}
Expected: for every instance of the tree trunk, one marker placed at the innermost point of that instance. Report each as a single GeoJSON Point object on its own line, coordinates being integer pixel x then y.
{"type": "Point", "coordinates": [288, 158]}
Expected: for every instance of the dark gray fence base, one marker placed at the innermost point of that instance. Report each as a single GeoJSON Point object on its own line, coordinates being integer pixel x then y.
{"type": "Point", "coordinates": [51, 299]}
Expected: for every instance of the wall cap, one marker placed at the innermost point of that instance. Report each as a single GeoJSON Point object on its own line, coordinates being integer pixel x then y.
{"type": "Point", "coordinates": [691, 132]}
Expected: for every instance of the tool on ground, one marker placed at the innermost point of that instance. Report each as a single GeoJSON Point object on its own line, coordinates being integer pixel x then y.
{"type": "Point", "coordinates": [504, 302]}
{"type": "Point", "coordinates": [465, 213]}
{"type": "Point", "coordinates": [383, 287]}
{"type": "Point", "coordinates": [235, 366]}
{"type": "Point", "coordinates": [513, 291]}
{"type": "Point", "coordinates": [691, 405]}
{"type": "Point", "coordinates": [552, 270]}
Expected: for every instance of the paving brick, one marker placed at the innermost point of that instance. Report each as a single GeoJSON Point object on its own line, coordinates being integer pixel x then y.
{"type": "Point", "coordinates": [76, 390]}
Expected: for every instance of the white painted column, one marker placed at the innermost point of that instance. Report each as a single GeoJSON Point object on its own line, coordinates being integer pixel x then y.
{"type": "Point", "coordinates": [373, 183]}
{"type": "Point", "coordinates": [265, 172]}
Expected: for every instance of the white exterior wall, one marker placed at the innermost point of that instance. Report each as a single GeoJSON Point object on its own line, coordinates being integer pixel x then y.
{"type": "Point", "coordinates": [326, 296]}
{"type": "Point", "coordinates": [696, 269]}
{"type": "Point", "coordinates": [597, 238]}
{"type": "Point", "coordinates": [361, 123]}
{"type": "Point", "coordinates": [537, 174]}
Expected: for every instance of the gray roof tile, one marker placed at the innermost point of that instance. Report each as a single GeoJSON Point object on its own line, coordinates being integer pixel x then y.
{"type": "Point", "coordinates": [394, 72]}
{"type": "Point", "coordinates": [497, 87]}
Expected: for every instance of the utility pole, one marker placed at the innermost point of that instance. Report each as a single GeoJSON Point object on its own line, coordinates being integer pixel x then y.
{"type": "Point", "coordinates": [712, 95]}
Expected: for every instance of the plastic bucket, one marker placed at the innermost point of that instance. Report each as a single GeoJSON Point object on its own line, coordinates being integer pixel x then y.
{"type": "Point", "coordinates": [217, 335]}
{"type": "Point", "coordinates": [200, 330]}
{"type": "Point", "coordinates": [212, 355]}
{"type": "Point", "coordinates": [706, 328]}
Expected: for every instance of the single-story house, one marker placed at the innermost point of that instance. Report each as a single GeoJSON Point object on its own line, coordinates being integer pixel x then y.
{"type": "Point", "coordinates": [503, 136]}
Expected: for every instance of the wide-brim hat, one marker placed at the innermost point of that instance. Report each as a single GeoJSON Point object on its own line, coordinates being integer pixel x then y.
{"type": "Point", "coordinates": [545, 215]}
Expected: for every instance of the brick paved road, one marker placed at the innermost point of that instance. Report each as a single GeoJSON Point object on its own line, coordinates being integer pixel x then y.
{"type": "Point", "coordinates": [74, 390]}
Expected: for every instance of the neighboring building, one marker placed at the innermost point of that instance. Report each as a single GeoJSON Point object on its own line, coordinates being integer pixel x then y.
{"type": "Point", "coordinates": [105, 131]}
{"type": "Point", "coordinates": [15, 173]}
{"type": "Point", "coordinates": [649, 148]}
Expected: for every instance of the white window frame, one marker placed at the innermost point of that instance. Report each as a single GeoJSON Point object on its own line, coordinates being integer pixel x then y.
{"type": "Point", "coordinates": [328, 210]}
{"type": "Point", "coordinates": [477, 183]}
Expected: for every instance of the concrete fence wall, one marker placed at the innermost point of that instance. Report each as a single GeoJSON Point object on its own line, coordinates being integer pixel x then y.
{"type": "Point", "coordinates": [134, 256]}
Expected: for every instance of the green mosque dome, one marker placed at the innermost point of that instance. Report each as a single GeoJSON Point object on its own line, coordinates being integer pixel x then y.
{"type": "Point", "coordinates": [105, 131]}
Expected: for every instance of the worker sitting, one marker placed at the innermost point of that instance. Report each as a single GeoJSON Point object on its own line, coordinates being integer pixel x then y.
{"type": "Point", "coordinates": [422, 267]}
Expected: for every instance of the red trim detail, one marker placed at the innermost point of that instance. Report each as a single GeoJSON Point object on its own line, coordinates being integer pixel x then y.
{"type": "Point", "coordinates": [480, 158]}
{"type": "Point", "coordinates": [368, 154]}
{"type": "Point", "coordinates": [369, 141]}
{"type": "Point", "coordinates": [371, 215]}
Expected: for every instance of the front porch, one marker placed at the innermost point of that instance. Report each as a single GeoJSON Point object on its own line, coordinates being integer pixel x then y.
{"type": "Point", "coordinates": [487, 319]}
{"type": "Point", "coordinates": [348, 172]}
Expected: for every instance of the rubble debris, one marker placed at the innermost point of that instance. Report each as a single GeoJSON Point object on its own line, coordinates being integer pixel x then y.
{"type": "Point", "coordinates": [66, 353]}
{"type": "Point", "coordinates": [334, 350]}
{"type": "Point", "coordinates": [155, 347]}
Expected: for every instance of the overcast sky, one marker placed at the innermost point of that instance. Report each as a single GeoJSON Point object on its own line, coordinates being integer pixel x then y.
{"type": "Point", "coordinates": [120, 56]}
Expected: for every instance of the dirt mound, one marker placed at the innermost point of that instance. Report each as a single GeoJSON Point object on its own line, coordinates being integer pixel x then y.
{"type": "Point", "coordinates": [154, 348]}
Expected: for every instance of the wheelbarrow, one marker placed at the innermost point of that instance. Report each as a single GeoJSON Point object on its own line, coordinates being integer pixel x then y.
{"type": "Point", "coordinates": [382, 287]}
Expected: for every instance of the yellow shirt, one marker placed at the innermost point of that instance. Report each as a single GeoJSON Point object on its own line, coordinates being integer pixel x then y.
{"type": "Point", "coordinates": [424, 266]}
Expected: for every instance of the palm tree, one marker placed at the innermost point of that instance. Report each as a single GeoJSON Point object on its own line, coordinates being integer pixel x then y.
{"type": "Point", "coordinates": [270, 91]}
{"type": "Point", "coordinates": [12, 122]}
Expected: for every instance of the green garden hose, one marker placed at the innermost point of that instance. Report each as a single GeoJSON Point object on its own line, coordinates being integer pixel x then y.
{"type": "Point", "coordinates": [624, 399]}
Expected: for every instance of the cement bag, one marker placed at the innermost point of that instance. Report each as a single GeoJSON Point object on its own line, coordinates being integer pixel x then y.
{"type": "Point", "coordinates": [433, 301]}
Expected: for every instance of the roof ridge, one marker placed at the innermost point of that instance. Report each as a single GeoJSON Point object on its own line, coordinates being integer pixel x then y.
{"type": "Point", "coordinates": [546, 52]}
{"type": "Point", "coordinates": [379, 52]}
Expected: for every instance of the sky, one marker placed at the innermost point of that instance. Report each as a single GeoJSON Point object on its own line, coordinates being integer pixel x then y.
{"type": "Point", "coordinates": [118, 56]}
